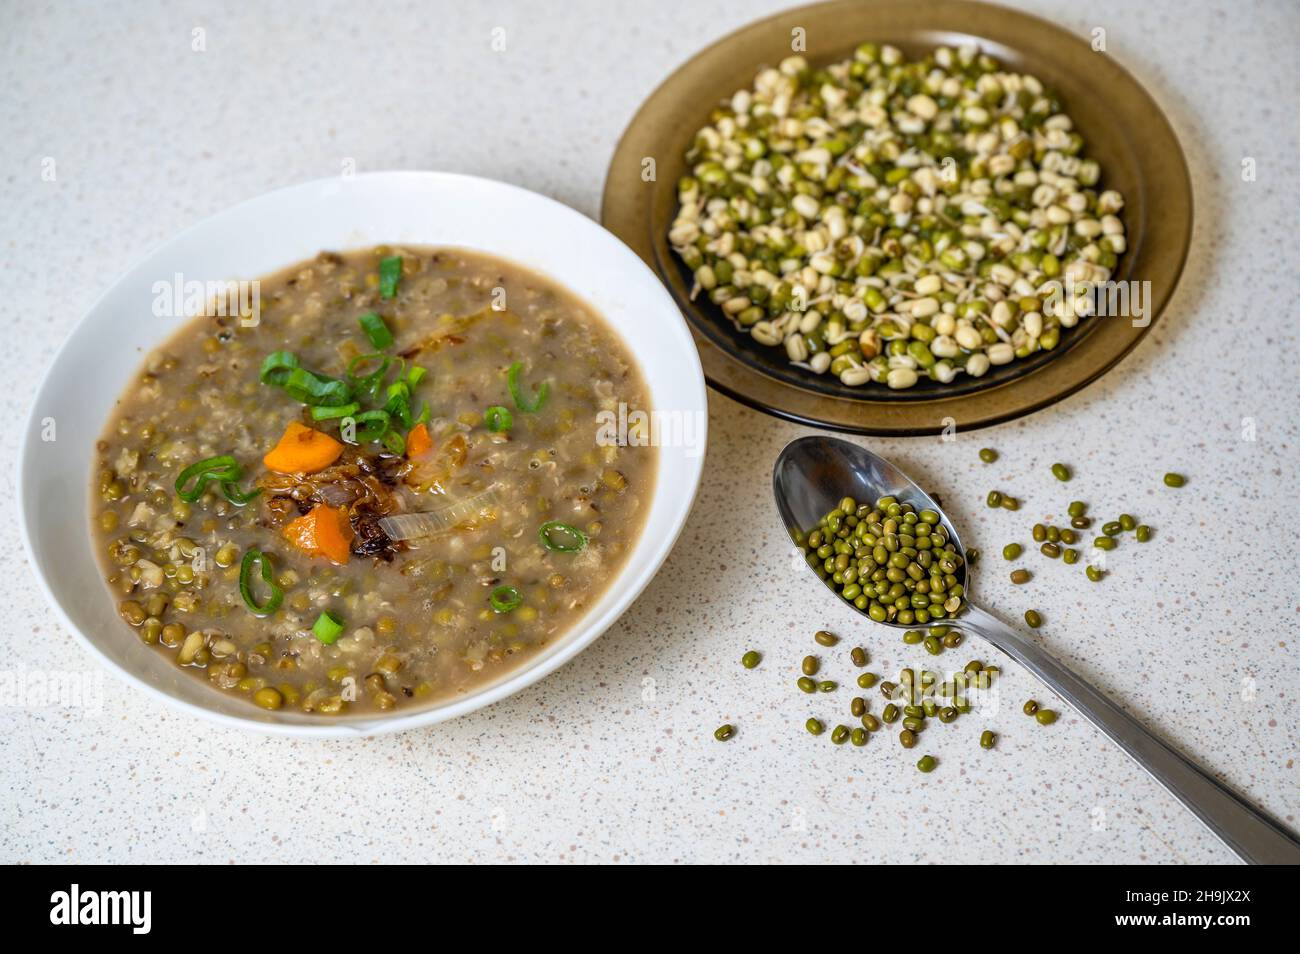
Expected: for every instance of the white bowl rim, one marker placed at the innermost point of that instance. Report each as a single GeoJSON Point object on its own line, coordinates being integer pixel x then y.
{"type": "Point", "coordinates": [582, 635]}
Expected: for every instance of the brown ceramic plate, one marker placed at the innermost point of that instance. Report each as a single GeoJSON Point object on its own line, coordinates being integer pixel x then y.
{"type": "Point", "coordinates": [1123, 128]}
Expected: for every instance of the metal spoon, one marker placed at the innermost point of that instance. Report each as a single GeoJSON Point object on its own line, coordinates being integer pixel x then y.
{"type": "Point", "coordinates": [814, 473]}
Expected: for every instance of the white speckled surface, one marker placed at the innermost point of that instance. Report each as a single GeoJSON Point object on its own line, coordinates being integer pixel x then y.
{"type": "Point", "coordinates": [612, 758]}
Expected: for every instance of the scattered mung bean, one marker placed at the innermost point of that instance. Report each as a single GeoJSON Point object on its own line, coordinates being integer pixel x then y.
{"type": "Point", "coordinates": [1060, 472]}
{"type": "Point", "coordinates": [815, 726]}
{"type": "Point", "coordinates": [1045, 716]}
{"type": "Point", "coordinates": [1011, 551]}
{"type": "Point", "coordinates": [926, 764]}
{"type": "Point", "coordinates": [1020, 576]}
{"type": "Point", "coordinates": [1174, 480]}
{"type": "Point", "coordinates": [824, 638]}
{"type": "Point", "coordinates": [751, 659]}
{"type": "Point", "coordinates": [987, 739]}
{"type": "Point", "coordinates": [1033, 618]}
{"type": "Point", "coordinates": [723, 732]}
{"type": "Point", "coordinates": [988, 455]}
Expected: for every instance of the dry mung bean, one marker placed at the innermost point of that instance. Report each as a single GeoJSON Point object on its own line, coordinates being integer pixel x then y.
{"type": "Point", "coordinates": [870, 722]}
{"type": "Point", "coordinates": [723, 732]}
{"type": "Point", "coordinates": [1174, 480]}
{"type": "Point", "coordinates": [810, 665]}
{"type": "Point", "coordinates": [1094, 573]}
{"type": "Point", "coordinates": [1127, 522]}
{"type": "Point", "coordinates": [1104, 542]}
{"type": "Point", "coordinates": [952, 639]}
{"type": "Point", "coordinates": [824, 638]}
{"type": "Point", "coordinates": [1033, 618]}
{"type": "Point", "coordinates": [814, 726]}
{"type": "Point", "coordinates": [857, 706]}
{"type": "Point", "coordinates": [840, 734]}
{"type": "Point", "coordinates": [1050, 550]}
{"type": "Point", "coordinates": [1061, 472]}
{"type": "Point", "coordinates": [1030, 707]}
{"type": "Point", "coordinates": [907, 738]}
{"type": "Point", "coordinates": [859, 656]}
{"type": "Point", "coordinates": [1070, 555]}
{"type": "Point", "coordinates": [867, 680]}
{"type": "Point", "coordinates": [1045, 716]}
{"type": "Point", "coordinates": [987, 739]}
{"type": "Point", "coordinates": [988, 455]}
{"type": "Point", "coordinates": [1077, 508]}
{"type": "Point", "coordinates": [1143, 533]}
{"type": "Point", "coordinates": [751, 659]}
{"type": "Point", "coordinates": [913, 637]}
{"type": "Point", "coordinates": [1010, 503]}
{"type": "Point", "coordinates": [994, 498]}
{"type": "Point", "coordinates": [806, 684]}
{"type": "Point", "coordinates": [1020, 576]}
{"type": "Point", "coordinates": [1111, 528]}
{"type": "Point", "coordinates": [890, 713]}
{"type": "Point", "coordinates": [1039, 533]}
{"type": "Point", "coordinates": [827, 685]}
{"type": "Point", "coordinates": [858, 737]}
{"type": "Point", "coordinates": [1011, 551]}
{"type": "Point", "coordinates": [926, 764]}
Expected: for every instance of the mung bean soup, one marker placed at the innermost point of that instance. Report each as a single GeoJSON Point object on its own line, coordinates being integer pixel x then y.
{"type": "Point", "coordinates": [383, 486]}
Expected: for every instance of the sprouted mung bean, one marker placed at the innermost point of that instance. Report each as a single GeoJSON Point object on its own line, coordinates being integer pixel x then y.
{"type": "Point", "coordinates": [886, 221]}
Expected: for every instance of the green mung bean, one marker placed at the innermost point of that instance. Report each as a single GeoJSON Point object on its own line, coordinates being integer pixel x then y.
{"type": "Point", "coordinates": [826, 685]}
{"type": "Point", "coordinates": [994, 499]}
{"type": "Point", "coordinates": [1111, 528]}
{"type": "Point", "coordinates": [1053, 534]}
{"type": "Point", "coordinates": [870, 722]}
{"type": "Point", "coordinates": [1020, 576]}
{"type": "Point", "coordinates": [723, 732]}
{"type": "Point", "coordinates": [824, 638]}
{"type": "Point", "coordinates": [857, 706]}
{"type": "Point", "coordinates": [1010, 503]}
{"type": "Point", "coordinates": [1174, 480]}
{"type": "Point", "coordinates": [858, 737]}
{"type": "Point", "coordinates": [859, 656]}
{"type": "Point", "coordinates": [952, 640]}
{"type": "Point", "coordinates": [1060, 472]}
{"type": "Point", "coordinates": [890, 713]}
{"type": "Point", "coordinates": [840, 734]}
{"type": "Point", "coordinates": [867, 680]}
{"type": "Point", "coordinates": [1104, 542]}
{"type": "Point", "coordinates": [806, 684]}
{"type": "Point", "coordinates": [1094, 573]}
{"type": "Point", "coordinates": [947, 714]}
{"type": "Point", "coordinates": [1069, 536]}
{"type": "Point", "coordinates": [810, 665]}
{"type": "Point", "coordinates": [907, 738]}
{"type": "Point", "coordinates": [1051, 550]}
{"type": "Point", "coordinates": [987, 739]}
{"type": "Point", "coordinates": [1077, 508]}
{"type": "Point", "coordinates": [750, 659]}
{"type": "Point", "coordinates": [1039, 533]}
{"type": "Point", "coordinates": [926, 764]}
{"type": "Point", "coordinates": [988, 455]}
{"type": "Point", "coordinates": [1030, 707]}
{"type": "Point", "coordinates": [932, 645]}
{"type": "Point", "coordinates": [1127, 522]}
{"type": "Point", "coordinates": [913, 636]}
{"type": "Point", "coordinates": [1070, 555]}
{"type": "Point", "coordinates": [1033, 619]}
{"type": "Point", "coordinates": [1143, 533]}
{"type": "Point", "coordinates": [1011, 551]}
{"type": "Point", "coordinates": [1081, 523]}
{"type": "Point", "coordinates": [815, 726]}
{"type": "Point", "coordinates": [1045, 716]}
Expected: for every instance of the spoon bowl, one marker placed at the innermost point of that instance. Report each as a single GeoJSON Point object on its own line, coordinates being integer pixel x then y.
{"type": "Point", "coordinates": [812, 474]}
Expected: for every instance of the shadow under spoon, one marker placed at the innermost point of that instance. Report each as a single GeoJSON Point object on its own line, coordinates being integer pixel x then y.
{"type": "Point", "coordinates": [813, 474]}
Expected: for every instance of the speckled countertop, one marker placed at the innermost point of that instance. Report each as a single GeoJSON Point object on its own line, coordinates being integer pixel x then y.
{"type": "Point", "coordinates": [612, 758]}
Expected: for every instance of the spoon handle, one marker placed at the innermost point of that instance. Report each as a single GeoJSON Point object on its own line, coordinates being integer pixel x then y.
{"type": "Point", "coordinates": [1249, 832]}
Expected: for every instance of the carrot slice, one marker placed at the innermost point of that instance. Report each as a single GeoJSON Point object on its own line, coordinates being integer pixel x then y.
{"type": "Point", "coordinates": [418, 442]}
{"type": "Point", "coordinates": [302, 450]}
{"type": "Point", "coordinates": [325, 531]}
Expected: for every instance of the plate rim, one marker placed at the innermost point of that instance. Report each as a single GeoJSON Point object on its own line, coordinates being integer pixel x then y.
{"type": "Point", "coordinates": [627, 213]}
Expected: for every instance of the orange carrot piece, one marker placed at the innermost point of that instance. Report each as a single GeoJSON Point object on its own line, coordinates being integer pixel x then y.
{"type": "Point", "coordinates": [418, 442]}
{"type": "Point", "coordinates": [302, 450]}
{"type": "Point", "coordinates": [325, 531]}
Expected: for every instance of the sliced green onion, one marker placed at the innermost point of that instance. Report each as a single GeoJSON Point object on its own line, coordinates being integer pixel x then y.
{"type": "Point", "coordinates": [577, 539]}
{"type": "Point", "coordinates": [395, 441]}
{"type": "Point", "coordinates": [415, 375]}
{"type": "Point", "coordinates": [375, 329]}
{"type": "Point", "coordinates": [316, 389]}
{"type": "Point", "coordinates": [222, 468]}
{"type": "Point", "coordinates": [327, 628]}
{"type": "Point", "coordinates": [371, 425]}
{"type": "Point", "coordinates": [332, 413]}
{"type": "Point", "coordinates": [399, 403]}
{"type": "Point", "coordinates": [390, 273]}
{"type": "Point", "coordinates": [276, 367]}
{"type": "Point", "coordinates": [237, 496]}
{"type": "Point", "coordinates": [370, 384]}
{"type": "Point", "coordinates": [516, 391]}
{"type": "Point", "coordinates": [246, 584]}
{"type": "Point", "coordinates": [498, 419]}
{"type": "Point", "coordinates": [505, 598]}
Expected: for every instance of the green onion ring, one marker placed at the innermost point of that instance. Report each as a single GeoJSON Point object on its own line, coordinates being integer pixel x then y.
{"type": "Point", "coordinates": [246, 584]}
{"type": "Point", "coordinates": [544, 534]}
{"type": "Point", "coordinates": [390, 274]}
{"type": "Point", "coordinates": [498, 418]}
{"type": "Point", "coordinates": [376, 330]}
{"type": "Point", "coordinates": [516, 391]}
{"type": "Point", "coordinates": [327, 628]}
{"type": "Point", "coordinates": [237, 496]}
{"type": "Point", "coordinates": [505, 598]}
{"type": "Point", "coordinates": [337, 411]}
{"type": "Point", "coordinates": [223, 468]}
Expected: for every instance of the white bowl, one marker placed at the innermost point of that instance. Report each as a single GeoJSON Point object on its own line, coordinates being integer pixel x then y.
{"type": "Point", "coordinates": [265, 234]}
